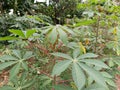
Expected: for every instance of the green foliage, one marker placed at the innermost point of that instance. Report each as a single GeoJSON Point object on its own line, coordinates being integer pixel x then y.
{"type": "Point", "coordinates": [54, 33]}
{"type": "Point", "coordinates": [78, 65]}
{"type": "Point", "coordinates": [21, 82]}
{"type": "Point", "coordinates": [66, 45]}
{"type": "Point", "coordinates": [16, 60]}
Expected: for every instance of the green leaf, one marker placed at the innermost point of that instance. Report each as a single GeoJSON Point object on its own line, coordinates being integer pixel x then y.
{"type": "Point", "coordinates": [107, 75]}
{"type": "Point", "coordinates": [62, 87]}
{"type": "Point", "coordinates": [27, 84]}
{"type": "Point", "coordinates": [17, 32]}
{"type": "Point", "coordinates": [30, 33]}
{"type": "Point", "coordinates": [63, 36]}
{"type": "Point", "coordinates": [8, 38]}
{"type": "Point", "coordinates": [7, 88]}
{"type": "Point", "coordinates": [67, 29]}
{"type": "Point", "coordinates": [76, 53]}
{"type": "Point", "coordinates": [88, 55]}
{"type": "Point", "coordinates": [25, 66]}
{"type": "Point", "coordinates": [90, 80]}
{"type": "Point", "coordinates": [47, 29]}
{"type": "Point", "coordinates": [95, 87]}
{"type": "Point", "coordinates": [62, 55]}
{"type": "Point", "coordinates": [96, 75]}
{"type": "Point", "coordinates": [110, 82]}
{"type": "Point", "coordinates": [95, 62]}
{"type": "Point", "coordinates": [117, 62]}
{"type": "Point", "coordinates": [78, 76]}
{"type": "Point", "coordinates": [52, 36]}
{"type": "Point", "coordinates": [28, 55]}
{"type": "Point", "coordinates": [47, 82]}
{"type": "Point", "coordinates": [15, 70]}
{"type": "Point", "coordinates": [6, 64]}
{"type": "Point", "coordinates": [111, 63]}
{"type": "Point", "coordinates": [84, 22]}
{"type": "Point", "coordinates": [7, 58]}
{"type": "Point", "coordinates": [17, 53]}
{"type": "Point", "coordinates": [60, 67]}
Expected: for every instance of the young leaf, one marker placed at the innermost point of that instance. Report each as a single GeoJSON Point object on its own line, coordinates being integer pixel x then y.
{"type": "Point", "coordinates": [82, 48]}
{"type": "Point", "coordinates": [30, 33]}
{"type": "Point", "coordinates": [60, 67]}
{"type": "Point", "coordinates": [78, 76]}
{"type": "Point", "coordinates": [7, 38]}
{"type": "Point", "coordinates": [17, 32]}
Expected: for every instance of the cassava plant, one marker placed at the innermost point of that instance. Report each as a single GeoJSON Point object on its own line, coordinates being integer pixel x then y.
{"type": "Point", "coordinates": [75, 56]}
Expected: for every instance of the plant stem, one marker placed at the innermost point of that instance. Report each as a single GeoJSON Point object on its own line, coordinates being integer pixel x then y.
{"type": "Point", "coordinates": [97, 33]}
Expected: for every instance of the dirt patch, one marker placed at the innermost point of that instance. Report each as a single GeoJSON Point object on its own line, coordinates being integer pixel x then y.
{"type": "Point", "coordinates": [118, 82]}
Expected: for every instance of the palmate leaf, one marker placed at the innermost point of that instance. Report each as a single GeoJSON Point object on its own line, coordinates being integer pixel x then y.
{"type": "Point", "coordinates": [78, 76]}
{"type": "Point", "coordinates": [96, 75]}
{"type": "Point", "coordinates": [66, 56]}
{"type": "Point", "coordinates": [81, 66]}
{"type": "Point", "coordinates": [16, 60]}
{"type": "Point", "coordinates": [60, 67]}
{"type": "Point", "coordinates": [95, 62]}
{"type": "Point", "coordinates": [56, 32]}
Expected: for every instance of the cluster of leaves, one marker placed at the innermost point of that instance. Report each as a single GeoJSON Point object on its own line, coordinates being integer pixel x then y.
{"type": "Point", "coordinates": [44, 56]}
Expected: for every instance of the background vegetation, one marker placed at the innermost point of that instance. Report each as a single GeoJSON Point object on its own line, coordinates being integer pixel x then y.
{"type": "Point", "coordinates": [66, 45]}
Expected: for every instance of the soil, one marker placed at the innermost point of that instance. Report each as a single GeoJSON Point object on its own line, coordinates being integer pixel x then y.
{"type": "Point", "coordinates": [118, 82]}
